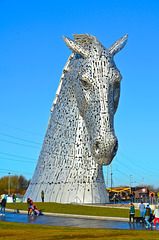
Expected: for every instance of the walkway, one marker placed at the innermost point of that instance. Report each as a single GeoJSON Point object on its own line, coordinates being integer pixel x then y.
{"type": "Point", "coordinates": [70, 222]}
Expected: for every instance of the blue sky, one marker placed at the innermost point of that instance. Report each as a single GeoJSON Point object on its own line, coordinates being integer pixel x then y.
{"type": "Point", "coordinates": [32, 56]}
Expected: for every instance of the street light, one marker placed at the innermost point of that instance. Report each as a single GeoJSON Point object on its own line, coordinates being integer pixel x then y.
{"type": "Point", "coordinates": [111, 181]}
{"type": "Point", "coordinates": [142, 181]}
{"type": "Point", "coordinates": [9, 184]}
{"type": "Point", "coordinates": [130, 183]}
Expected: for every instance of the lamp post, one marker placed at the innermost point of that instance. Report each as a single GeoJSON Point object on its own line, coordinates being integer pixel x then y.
{"type": "Point", "coordinates": [111, 181]}
{"type": "Point", "coordinates": [130, 184]}
{"type": "Point", "coordinates": [142, 181]}
{"type": "Point", "coordinates": [9, 184]}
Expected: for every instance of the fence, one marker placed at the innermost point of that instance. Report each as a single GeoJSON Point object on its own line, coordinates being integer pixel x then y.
{"type": "Point", "coordinates": [150, 200]}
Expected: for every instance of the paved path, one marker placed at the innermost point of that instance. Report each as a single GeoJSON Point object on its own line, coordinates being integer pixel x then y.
{"type": "Point", "coordinates": [69, 222]}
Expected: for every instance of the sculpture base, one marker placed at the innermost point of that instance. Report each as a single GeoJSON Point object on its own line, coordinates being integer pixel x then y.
{"type": "Point", "coordinates": [94, 193]}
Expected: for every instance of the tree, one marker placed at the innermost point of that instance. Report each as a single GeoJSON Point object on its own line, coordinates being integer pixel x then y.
{"type": "Point", "coordinates": [18, 184]}
{"type": "Point", "coordinates": [23, 182]}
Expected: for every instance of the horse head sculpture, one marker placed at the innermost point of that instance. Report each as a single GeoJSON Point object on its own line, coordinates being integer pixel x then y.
{"type": "Point", "coordinates": [96, 82]}
{"type": "Point", "coordinates": [80, 135]}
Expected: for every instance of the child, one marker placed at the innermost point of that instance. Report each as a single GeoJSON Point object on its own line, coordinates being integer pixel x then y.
{"type": "Point", "coordinates": [36, 212]}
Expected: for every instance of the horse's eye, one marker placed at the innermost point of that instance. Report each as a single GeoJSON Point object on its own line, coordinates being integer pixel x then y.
{"type": "Point", "coordinates": [85, 84]}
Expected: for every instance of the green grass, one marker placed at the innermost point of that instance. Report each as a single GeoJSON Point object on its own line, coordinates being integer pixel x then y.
{"type": "Point", "coordinates": [75, 209]}
{"type": "Point", "coordinates": [20, 231]}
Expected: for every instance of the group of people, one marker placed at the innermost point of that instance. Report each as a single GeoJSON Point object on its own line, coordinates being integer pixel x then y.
{"type": "Point", "coordinates": [145, 213]}
{"type": "Point", "coordinates": [32, 209]}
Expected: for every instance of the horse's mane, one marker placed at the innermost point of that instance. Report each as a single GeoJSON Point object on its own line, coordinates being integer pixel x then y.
{"type": "Point", "coordinates": [61, 80]}
{"type": "Point", "coordinates": [85, 40]}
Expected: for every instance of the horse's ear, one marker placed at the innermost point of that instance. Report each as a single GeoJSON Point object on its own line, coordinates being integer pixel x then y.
{"type": "Point", "coordinates": [76, 47]}
{"type": "Point", "coordinates": [118, 45]}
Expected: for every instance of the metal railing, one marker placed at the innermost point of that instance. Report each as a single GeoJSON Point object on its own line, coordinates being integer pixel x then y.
{"type": "Point", "coordinates": [150, 200]}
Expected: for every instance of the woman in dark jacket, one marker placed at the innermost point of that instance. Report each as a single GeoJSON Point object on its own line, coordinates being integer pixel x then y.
{"type": "Point", "coordinates": [3, 205]}
{"type": "Point", "coordinates": [132, 212]}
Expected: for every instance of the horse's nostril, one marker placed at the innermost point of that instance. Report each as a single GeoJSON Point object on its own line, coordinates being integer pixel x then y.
{"type": "Point", "coordinates": [97, 147]}
{"type": "Point", "coordinates": [115, 148]}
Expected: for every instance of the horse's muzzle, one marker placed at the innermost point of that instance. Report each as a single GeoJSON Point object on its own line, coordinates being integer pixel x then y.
{"type": "Point", "coordinates": [104, 152]}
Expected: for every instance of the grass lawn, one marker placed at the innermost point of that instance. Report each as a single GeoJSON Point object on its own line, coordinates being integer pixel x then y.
{"type": "Point", "coordinates": [19, 231]}
{"type": "Point", "coordinates": [75, 209]}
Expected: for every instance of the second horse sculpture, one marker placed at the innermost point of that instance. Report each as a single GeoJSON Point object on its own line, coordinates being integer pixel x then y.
{"type": "Point", "coordinates": [80, 136]}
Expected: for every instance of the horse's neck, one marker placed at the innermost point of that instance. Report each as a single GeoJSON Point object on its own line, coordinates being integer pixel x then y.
{"type": "Point", "coordinates": [65, 122]}
{"type": "Point", "coordinates": [66, 146]}
{"type": "Point", "coordinates": [65, 112]}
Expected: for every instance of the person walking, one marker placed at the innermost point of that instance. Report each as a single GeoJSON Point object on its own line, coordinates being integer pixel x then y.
{"type": "Point", "coordinates": [131, 212]}
{"type": "Point", "coordinates": [14, 197]}
{"type": "Point", "coordinates": [3, 205]}
{"type": "Point", "coordinates": [147, 213]}
{"type": "Point", "coordinates": [42, 195]}
{"type": "Point", "coordinates": [156, 213]}
{"type": "Point", "coordinates": [30, 203]}
{"type": "Point", "coordinates": [142, 209]}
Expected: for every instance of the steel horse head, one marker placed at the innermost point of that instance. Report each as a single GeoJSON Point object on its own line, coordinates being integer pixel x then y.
{"type": "Point", "coordinates": [96, 82]}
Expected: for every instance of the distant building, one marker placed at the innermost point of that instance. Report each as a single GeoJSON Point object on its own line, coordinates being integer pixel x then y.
{"type": "Point", "coordinates": [127, 193]}
{"type": "Point", "coordinates": [117, 193]}
{"type": "Point", "coordinates": [141, 193]}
